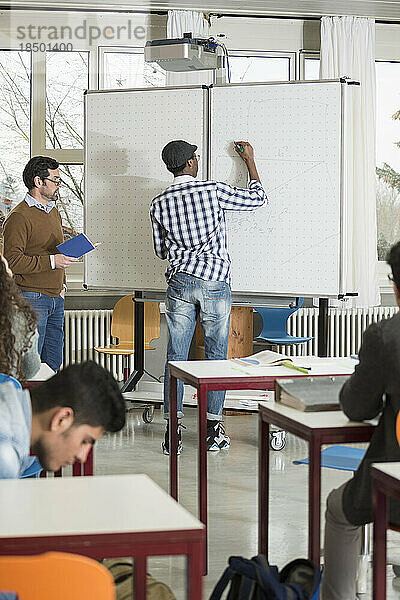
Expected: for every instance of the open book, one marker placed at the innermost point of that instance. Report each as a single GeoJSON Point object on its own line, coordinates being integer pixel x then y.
{"type": "Point", "coordinates": [266, 358]}
{"type": "Point", "coordinates": [309, 393]}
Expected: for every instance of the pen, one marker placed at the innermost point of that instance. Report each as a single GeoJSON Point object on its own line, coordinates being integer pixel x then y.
{"type": "Point", "coordinates": [239, 146]}
{"type": "Point", "coordinates": [290, 366]}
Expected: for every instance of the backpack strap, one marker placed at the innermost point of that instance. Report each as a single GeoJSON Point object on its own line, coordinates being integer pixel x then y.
{"type": "Point", "coordinates": [223, 581]}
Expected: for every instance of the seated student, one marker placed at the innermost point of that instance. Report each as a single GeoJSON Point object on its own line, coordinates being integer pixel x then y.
{"type": "Point", "coordinates": [19, 355]}
{"type": "Point", "coordinates": [374, 388]}
{"type": "Point", "coordinates": [59, 420]}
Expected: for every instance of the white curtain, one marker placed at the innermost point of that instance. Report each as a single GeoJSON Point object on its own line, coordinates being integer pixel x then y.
{"type": "Point", "coordinates": [187, 21]}
{"type": "Point", "coordinates": [348, 50]}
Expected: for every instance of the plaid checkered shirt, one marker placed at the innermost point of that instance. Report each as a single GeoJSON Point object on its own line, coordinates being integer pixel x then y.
{"type": "Point", "coordinates": [188, 221]}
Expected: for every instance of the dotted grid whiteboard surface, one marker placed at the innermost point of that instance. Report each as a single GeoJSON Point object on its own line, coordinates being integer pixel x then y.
{"type": "Point", "coordinates": [125, 132]}
{"type": "Point", "coordinates": [292, 245]}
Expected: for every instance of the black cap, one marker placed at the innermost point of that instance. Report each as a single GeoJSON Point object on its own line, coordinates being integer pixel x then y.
{"type": "Point", "coordinates": [176, 153]}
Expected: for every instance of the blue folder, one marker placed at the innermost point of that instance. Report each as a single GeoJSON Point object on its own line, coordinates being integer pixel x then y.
{"type": "Point", "coordinates": [76, 246]}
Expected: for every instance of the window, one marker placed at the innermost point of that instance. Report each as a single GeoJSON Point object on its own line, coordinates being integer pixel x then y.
{"type": "Point", "coordinates": [125, 68]}
{"type": "Point", "coordinates": [261, 67]}
{"type": "Point", "coordinates": [67, 77]}
{"type": "Point", "coordinates": [14, 125]}
{"type": "Point", "coordinates": [387, 155]}
{"type": "Point", "coordinates": [70, 203]}
{"type": "Point", "coordinates": [311, 68]}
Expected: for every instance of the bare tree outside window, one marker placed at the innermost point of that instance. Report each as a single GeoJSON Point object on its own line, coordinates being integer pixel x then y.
{"type": "Point", "coordinates": [15, 70]}
{"type": "Point", "coordinates": [388, 156]}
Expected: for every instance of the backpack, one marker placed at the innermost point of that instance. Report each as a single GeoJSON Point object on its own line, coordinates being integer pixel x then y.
{"type": "Point", "coordinates": [121, 570]}
{"type": "Point", "coordinates": [255, 579]}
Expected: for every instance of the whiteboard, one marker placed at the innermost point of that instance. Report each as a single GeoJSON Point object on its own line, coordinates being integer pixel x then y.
{"type": "Point", "coordinates": [125, 131]}
{"type": "Point", "coordinates": [292, 246]}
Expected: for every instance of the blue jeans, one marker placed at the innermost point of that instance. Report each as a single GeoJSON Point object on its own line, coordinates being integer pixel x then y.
{"type": "Point", "coordinates": [50, 316]}
{"type": "Point", "coordinates": [187, 297]}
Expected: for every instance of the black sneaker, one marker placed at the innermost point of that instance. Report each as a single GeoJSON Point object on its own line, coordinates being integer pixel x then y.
{"type": "Point", "coordinates": [217, 439]}
{"type": "Point", "coordinates": [165, 444]}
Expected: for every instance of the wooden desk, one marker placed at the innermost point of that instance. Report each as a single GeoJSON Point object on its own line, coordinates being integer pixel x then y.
{"type": "Point", "coordinates": [101, 517]}
{"type": "Point", "coordinates": [206, 375]}
{"type": "Point", "coordinates": [385, 483]}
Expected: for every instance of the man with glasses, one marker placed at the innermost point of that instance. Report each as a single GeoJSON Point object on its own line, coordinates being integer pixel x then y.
{"type": "Point", "coordinates": [31, 233]}
{"type": "Point", "coordinates": [188, 221]}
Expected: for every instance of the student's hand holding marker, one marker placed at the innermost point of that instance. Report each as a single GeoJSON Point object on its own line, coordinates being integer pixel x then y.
{"type": "Point", "coordinates": [245, 151]}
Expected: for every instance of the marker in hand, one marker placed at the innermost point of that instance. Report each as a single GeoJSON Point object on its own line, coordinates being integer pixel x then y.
{"type": "Point", "coordinates": [238, 146]}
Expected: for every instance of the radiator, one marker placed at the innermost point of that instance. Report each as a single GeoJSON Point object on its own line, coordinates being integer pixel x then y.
{"type": "Point", "coordinates": [345, 329]}
{"type": "Point", "coordinates": [85, 329]}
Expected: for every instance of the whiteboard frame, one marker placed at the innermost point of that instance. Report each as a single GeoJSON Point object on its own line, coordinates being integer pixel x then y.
{"type": "Point", "coordinates": [240, 296]}
{"type": "Point", "coordinates": [206, 144]}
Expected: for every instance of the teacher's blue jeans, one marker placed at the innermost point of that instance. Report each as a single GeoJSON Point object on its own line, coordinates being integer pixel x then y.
{"type": "Point", "coordinates": [187, 297]}
{"type": "Point", "coordinates": [50, 317]}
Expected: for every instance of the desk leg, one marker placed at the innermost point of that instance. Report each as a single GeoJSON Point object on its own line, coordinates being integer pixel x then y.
{"type": "Point", "coordinates": [195, 571]}
{"type": "Point", "coordinates": [379, 513]}
{"type": "Point", "coordinates": [314, 502]}
{"type": "Point", "coordinates": [173, 437]}
{"type": "Point", "coordinates": [88, 467]}
{"type": "Point", "coordinates": [263, 485]}
{"type": "Point", "coordinates": [202, 427]}
{"type": "Point", "coordinates": [140, 577]}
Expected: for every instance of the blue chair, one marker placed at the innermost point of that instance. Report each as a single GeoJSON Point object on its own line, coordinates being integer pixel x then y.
{"type": "Point", "coordinates": [274, 323]}
{"type": "Point", "coordinates": [346, 458]}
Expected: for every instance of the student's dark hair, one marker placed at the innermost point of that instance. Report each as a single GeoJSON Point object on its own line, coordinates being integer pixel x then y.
{"type": "Point", "coordinates": [13, 305]}
{"type": "Point", "coordinates": [38, 166]}
{"type": "Point", "coordinates": [393, 259]}
{"type": "Point", "coordinates": [176, 170]}
{"type": "Point", "coordinates": [89, 389]}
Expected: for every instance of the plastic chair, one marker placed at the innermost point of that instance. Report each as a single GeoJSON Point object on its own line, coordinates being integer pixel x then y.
{"type": "Point", "coordinates": [56, 575]}
{"type": "Point", "coordinates": [122, 327]}
{"type": "Point", "coordinates": [274, 323]}
{"type": "Point", "coordinates": [346, 458]}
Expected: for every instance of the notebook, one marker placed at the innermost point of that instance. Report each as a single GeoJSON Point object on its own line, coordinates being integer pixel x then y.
{"type": "Point", "coordinates": [76, 246]}
{"type": "Point", "coordinates": [266, 358]}
{"type": "Point", "coordinates": [310, 393]}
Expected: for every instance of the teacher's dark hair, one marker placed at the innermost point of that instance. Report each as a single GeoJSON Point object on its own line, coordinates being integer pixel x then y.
{"type": "Point", "coordinates": [90, 390]}
{"type": "Point", "coordinates": [393, 259]}
{"type": "Point", "coordinates": [38, 166]}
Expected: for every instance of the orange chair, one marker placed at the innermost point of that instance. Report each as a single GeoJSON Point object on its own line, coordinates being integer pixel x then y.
{"type": "Point", "coordinates": [56, 575]}
{"type": "Point", "coordinates": [122, 327]}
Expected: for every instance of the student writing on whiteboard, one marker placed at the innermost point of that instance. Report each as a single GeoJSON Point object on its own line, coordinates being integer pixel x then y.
{"type": "Point", "coordinates": [188, 221]}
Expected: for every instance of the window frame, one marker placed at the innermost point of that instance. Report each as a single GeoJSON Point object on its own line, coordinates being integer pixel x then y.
{"type": "Point", "coordinates": [269, 54]}
{"type": "Point", "coordinates": [303, 55]}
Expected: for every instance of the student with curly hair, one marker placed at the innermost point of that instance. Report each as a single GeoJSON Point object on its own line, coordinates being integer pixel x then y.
{"type": "Point", "coordinates": [19, 355]}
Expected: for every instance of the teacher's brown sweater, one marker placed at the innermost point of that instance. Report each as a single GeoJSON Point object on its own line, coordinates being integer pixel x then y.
{"type": "Point", "coordinates": [30, 237]}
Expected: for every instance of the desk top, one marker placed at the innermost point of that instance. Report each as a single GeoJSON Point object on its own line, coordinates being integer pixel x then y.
{"type": "Point", "coordinates": [207, 370]}
{"type": "Point", "coordinates": [313, 420]}
{"type": "Point", "coordinates": [89, 505]}
{"type": "Point", "coordinates": [390, 469]}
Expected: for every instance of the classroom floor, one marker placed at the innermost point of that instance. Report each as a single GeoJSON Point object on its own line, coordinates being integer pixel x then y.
{"type": "Point", "coordinates": [232, 490]}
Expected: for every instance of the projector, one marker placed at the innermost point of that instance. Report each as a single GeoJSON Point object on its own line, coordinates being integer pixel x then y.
{"type": "Point", "coordinates": [183, 54]}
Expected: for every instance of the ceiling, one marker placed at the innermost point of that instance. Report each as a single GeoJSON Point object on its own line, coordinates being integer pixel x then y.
{"type": "Point", "coordinates": [386, 10]}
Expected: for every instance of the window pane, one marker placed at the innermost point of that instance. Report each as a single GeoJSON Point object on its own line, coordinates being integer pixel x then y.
{"type": "Point", "coordinates": [67, 77]}
{"type": "Point", "coordinates": [311, 68]}
{"type": "Point", "coordinates": [14, 126]}
{"type": "Point", "coordinates": [70, 203]}
{"type": "Point", "coordinates": [388, 155]}
{"type": "Point", "coordinates": [258, 68]}
{"type": "Point", "coordinates": [128, 70]}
